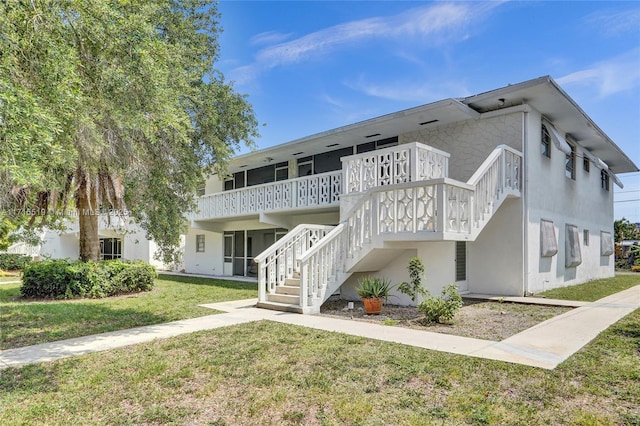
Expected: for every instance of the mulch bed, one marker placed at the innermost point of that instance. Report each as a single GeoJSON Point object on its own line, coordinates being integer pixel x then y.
{"type": "Point", "coordinates": [478, 319]}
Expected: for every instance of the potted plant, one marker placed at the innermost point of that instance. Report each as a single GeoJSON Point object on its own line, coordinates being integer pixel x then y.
{"type": "Point", "coordinates": [374, 291]}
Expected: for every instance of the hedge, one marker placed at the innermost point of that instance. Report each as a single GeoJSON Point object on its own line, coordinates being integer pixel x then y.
{"type": "Point", "coordinates": [65, 279]}
{"type": "Point", "coordinates": [14, 261]}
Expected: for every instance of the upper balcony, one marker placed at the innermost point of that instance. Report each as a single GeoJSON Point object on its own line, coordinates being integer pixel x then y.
{"type": "Point", "coordinates": [361, 172]}
{"type": "Point", "coordinates": [319, 191]}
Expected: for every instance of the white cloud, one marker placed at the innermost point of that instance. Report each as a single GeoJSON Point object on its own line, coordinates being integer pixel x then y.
{"type": "Point", "coordinates": [410, 91]}
{"type": "Point", "coordinates": [434, 24]}
{"type": "Point", "coordinates": [269, 37]}
{"type": "Point", "coordinates": [615, 75]}
{"type": "Point", "coordinates": [615, 22]}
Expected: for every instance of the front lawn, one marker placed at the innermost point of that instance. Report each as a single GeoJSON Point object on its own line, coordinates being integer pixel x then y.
{"type": "Point", "coordinates": [593, 290]}
{"type": "Point", "coordinates": [24, 322]}
{"type": "Point", "coordinates": [267, 373]}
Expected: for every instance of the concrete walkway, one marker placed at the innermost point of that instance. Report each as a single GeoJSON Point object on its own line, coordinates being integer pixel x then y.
{"type": "Point", "coordinates": [545, 345]}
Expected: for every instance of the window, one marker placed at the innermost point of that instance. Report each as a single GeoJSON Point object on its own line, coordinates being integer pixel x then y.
{"type": "Point", "coordinates": [604, 180]}
{"type": "Point", "coordinates": [228, 247]}
{"type": "Point", "coordinates": [330, 161]}
{"type": "Point", "coordinates": [572, 255]}
{"type": "Point", "coordinates": [228, 184]}
{"type": "Point", "coordinates": [200, 243]}
{"type": "Point", "coordinates": [379, 144]}
{"type": "Point", "coordinates": [261, 175]}
{"type": "Point", "coordinates": [282, 171]}
{"type": "Point", "coordinates": [546, 142]}
{"type": "Point", "coordinates": [570, 163]}
{"type": "Point", "coordinates": [110, 248]}
{"type": "Point", "coordinates": [586, 164]}
{"type": "Point", "coordinates": [461, 260]}
{"type": "Point", "coordinates": [238, 180]}
{"type": "Point", "coordinates": [548, 241]}
{"type": "Point", "coordinates": [305, 166]}
{"type": "Point", "coordinates": [606, 244]}
{"type": "Point", "coordinates": [202, 188]}
{"type": "Point", "coordinates": [585, 237]}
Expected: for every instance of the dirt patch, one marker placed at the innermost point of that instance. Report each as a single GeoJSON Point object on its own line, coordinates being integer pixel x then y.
{"type": "Point", "coordinates": [481, 320]}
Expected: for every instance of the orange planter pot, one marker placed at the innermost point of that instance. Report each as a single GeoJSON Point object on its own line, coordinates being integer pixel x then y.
{"type": "Point", "coordinates": [372, 305]}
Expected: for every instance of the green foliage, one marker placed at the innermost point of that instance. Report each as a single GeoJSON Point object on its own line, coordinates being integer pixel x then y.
{"type": "Point", "coordinates": [373, 287]}
{"type": "Point", "coordinates": [13, 261]}
{"type": "Point", "coordinates": [414, 287]}
{"type": "Point", "coordinates": [625, 230]}
{"type": "Point", "coordinates": [65, 279]}
{"type": "Point", "coordinates": [117, 101]}
{"type": "Point", "coordinates": [442, 308]}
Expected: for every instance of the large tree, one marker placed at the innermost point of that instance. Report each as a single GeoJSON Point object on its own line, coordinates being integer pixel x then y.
{"type": "Point", "coordinates": [113, 104]}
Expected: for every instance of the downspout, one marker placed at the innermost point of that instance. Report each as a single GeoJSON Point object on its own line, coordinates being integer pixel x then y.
{"type": "Point", "coordinates": [525, 196]}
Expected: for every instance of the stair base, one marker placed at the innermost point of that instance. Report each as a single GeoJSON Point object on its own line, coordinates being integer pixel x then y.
{"type": "Point", "coordinates": [287, 307]}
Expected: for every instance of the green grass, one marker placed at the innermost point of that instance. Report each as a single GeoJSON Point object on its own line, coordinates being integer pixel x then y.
{"type": "Point", "coordinates": [24, 323]}
{"type": "Point", "coordinates": [594, 290]}
{"type": "Point", "coordinates": [270, 373]}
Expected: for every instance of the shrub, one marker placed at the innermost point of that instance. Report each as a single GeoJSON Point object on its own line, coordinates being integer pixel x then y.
{"type": "Point", "coordinates": [13, 261]}
{"type": "Point", "coordinates": [414, 287]}
{"type": "Point", "coordinates": [442, 308]}
{"type": "Point", "coordinates": [65, 279]}
{"type": "Point", "coordinates": [373, 287]}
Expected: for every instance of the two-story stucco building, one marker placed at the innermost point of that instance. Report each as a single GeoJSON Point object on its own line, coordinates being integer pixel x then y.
{"type": "Point", "coordinates": [507, 192]}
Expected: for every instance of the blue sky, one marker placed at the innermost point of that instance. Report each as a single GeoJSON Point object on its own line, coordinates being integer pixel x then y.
{"type": "Point", "coordinates": [312, 66]}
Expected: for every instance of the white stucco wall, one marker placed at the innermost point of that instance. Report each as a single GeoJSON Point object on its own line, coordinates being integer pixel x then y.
{"type": "Point", "coordinates": [580, 202]}
{"type": "Point", "coordinates": [495, 258]}
{"type": "Point", "coordinates": [470, 142]}
{"type": "Point", "coordinates": [59, 246]}
{"type": "Point", "coordinates": [439, 261]}
{"type": "Point", "coordinates": [210, 261]}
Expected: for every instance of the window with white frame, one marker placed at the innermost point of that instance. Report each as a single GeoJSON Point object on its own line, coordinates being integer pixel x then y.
{"type": "Point", "coordinates": [604, 180]}
{"type": "Point", "coordinates": [585, 237]}
{"type": "Point", "coordinates": [586, 164]}
{"type": "Point", "coordinates": [545, 142]}
{"type": "Point", "coordinates": [570, 163]}
{"type": "Point", "coordinates": [200, 243]}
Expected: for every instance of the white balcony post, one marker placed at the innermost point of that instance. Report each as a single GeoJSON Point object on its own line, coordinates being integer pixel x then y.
{"type": "Point", "coordinates": [441, 203]}
{"type": "Point", "coordinates": [414, 163]}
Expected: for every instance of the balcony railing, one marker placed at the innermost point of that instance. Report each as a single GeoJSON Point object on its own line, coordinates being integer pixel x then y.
{"type": "Point", "coordinates": [315, 191]}
{"type": "Point", "coordinates": [398, 164]}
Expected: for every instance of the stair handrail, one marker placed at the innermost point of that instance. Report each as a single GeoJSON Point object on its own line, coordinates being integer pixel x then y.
{"type": "Point", "coordinates": [284, 240]}
{"type": "Point", "coordinates": [494, 176]}
{"type": "Point", "coordinates": [337, 263]}
{"type": "Point", "coordinates": [278, 262]}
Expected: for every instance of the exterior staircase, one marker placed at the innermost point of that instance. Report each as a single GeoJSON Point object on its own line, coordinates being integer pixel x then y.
{"type": "Point", "coordinates": [392, 195]}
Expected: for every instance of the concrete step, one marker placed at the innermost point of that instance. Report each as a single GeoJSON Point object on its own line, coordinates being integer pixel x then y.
{"type": "Point", "coordinates": [296, 274]}
{"type": "Point", "coordinates": [288, 289]}
{"type": "Point", "coordinates": [284, 298]}
{"type": "Point", "coordinates": [283, 307]}
{"type": "Point", "coordinates": [292, 282]}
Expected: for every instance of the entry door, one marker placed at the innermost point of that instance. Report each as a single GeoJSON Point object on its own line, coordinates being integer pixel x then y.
{"type": "Point", "coordinates": [461, 266]}
{"type": "Point", "coordinates": [238, 253]}
{"type": "Point", "coordinates": [228, 253]}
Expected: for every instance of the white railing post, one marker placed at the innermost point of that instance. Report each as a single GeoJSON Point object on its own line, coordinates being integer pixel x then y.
{"type": "Point", "coordinates": [441, 214]}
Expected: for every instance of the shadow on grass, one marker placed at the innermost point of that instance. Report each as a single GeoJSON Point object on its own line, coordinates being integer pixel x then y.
{"type": "Point", "coordinates": [214, 282]}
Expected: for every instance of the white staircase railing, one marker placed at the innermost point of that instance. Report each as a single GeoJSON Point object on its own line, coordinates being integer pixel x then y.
{"type": "Point", "coordinates": [280, 261]}
{"type": "Point", "coordinates": [498, 177]}
{"type": "Point", "coordinates": [322, 268]}
{"type": "Point", "coordinates": [427, 209]}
